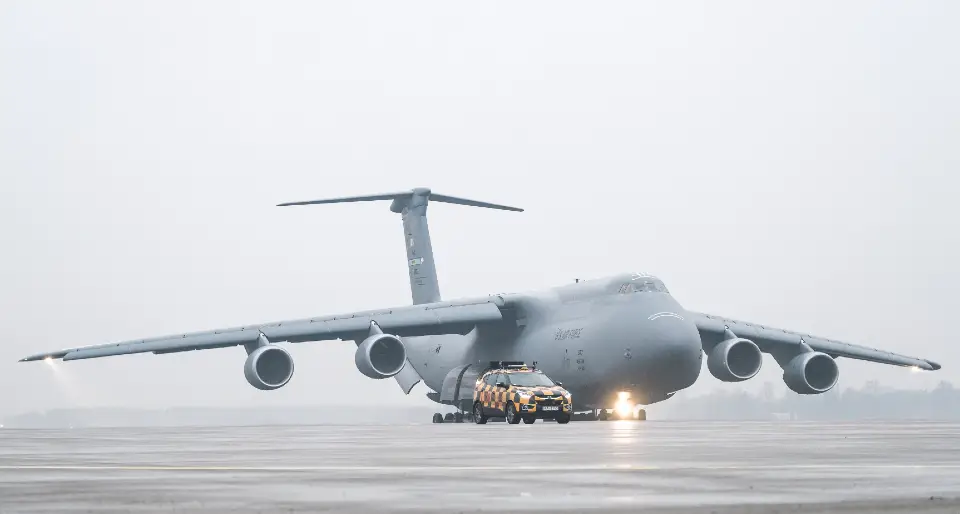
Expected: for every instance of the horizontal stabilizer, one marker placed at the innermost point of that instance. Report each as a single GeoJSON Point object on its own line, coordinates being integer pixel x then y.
{"type": "Point", "coordinates": [347, 199]}
{"type": "Point", "coordinates": [472, 203]}
{"type": "Point", "coordinates": [404, 197]}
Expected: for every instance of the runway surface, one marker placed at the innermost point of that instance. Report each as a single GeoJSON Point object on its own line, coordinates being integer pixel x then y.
{"type": "Point", "coordinates": [619, 466]}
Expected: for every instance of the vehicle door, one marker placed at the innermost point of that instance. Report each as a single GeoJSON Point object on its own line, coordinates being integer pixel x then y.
{"type": "Point", "coordinates": [500, 393]}
{"type": "Point", "coordinates": [485, 395]}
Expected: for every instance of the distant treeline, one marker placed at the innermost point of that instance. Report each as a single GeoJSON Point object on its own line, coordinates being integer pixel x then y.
{"type": "Point", "coordinates": [870, 402]}
{"type": "Point", "coordinates": [215, 416]}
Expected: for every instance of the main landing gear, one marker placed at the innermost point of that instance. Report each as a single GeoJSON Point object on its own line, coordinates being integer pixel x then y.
{"type": "Point", "coordinates": [451, 417]}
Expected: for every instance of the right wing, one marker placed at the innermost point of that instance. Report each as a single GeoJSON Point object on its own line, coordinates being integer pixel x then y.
{"type": "Point", "coordinates": [458, 317]}
{"type": "Point", "coordinates": [775, 340]}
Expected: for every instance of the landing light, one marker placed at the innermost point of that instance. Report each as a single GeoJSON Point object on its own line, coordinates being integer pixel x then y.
{"type": "Point", "coordinates": [623, 407]}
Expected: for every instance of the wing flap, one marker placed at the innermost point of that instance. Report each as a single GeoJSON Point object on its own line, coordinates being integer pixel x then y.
{"type": "Point", "coordinates": [417, 320]}
{"type": "Point", "coordinates": [769, 339]}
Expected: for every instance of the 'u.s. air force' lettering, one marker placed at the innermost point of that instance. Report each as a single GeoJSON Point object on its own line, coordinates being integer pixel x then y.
{"type": "Point", "coordinates": [570, 333]}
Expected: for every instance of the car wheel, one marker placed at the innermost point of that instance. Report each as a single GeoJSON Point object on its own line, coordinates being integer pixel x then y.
{"type": "Point", "coordinates": [563, 419]}
{"type": "Point", "coordinates": [478, 416]}
{"type": "Point", "coordinates": [512, 417]}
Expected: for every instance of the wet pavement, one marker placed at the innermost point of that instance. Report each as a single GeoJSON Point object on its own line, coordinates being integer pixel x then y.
{"type": "Point", "coordinates": [622, 466]}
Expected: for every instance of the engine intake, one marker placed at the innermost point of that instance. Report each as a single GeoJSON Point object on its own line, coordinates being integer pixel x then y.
{"type": "Point", "coordinates": [735, 360]}
{"type": "Point", "coordinates": [268, 367]}
{"type": "Point", "coordinates": [381, 356]}
{"type": "Point", "coordinates": [811, 373]}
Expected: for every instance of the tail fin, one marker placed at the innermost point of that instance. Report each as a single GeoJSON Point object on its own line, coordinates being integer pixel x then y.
{"type": "Point", "coordinates": [412, 205]}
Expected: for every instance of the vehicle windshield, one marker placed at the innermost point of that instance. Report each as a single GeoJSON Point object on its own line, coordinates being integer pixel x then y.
{"type": "Point", "coordinates": [529, 380]}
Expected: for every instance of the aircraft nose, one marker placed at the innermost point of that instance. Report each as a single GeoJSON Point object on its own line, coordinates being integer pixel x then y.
{"type": "Point", "coordinates": [676, 352]}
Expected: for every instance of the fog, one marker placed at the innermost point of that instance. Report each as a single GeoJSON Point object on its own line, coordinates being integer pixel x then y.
{"type": "Point", "coordinates": [788, 164]}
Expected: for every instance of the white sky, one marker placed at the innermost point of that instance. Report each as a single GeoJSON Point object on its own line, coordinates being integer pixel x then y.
{"type": "Point", "coordinates": [788, 164]}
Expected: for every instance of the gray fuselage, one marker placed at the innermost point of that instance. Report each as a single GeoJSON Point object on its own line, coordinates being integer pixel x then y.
{"type": "Point", "coordinates": [598, 337]}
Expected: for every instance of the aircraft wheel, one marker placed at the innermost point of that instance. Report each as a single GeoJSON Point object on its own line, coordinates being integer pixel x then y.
{"type": "Point", "coordinates": [563, 419]}
{"type": "Point", "coordinates": [448, 417]}
{"type": "Point", "coordinates": [641, 415]}
{"type": "Point", "coordinates": [437, 417]}
{"type": "Point", "coordinates": [512, 417]}
{"type": "Point", "coordinates": [458, 418]}
{"type": "Point", "coordinates": [529, 420]}
{"type": "Point", "coordinates": [602, 416]}
{"type": "Point", "coordinates": [478, 416]}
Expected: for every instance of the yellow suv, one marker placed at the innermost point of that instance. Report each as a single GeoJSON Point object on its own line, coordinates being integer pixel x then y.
{"type": "Point", "coordinates": [518, 392]}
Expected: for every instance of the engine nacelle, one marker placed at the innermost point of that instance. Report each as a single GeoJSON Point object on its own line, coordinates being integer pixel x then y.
{"type": "Point", "coordinates": [381, 356]}
{"type": "Point", "coordinates": [811, 373]}
{"type": "Point", "coordinates": [268, 367]}
{"type": "Point", "coordinates": [735, 360]}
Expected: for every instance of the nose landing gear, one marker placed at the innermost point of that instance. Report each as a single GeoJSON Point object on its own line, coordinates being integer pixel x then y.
{"type": "Point", "coordinates": [621, 414]}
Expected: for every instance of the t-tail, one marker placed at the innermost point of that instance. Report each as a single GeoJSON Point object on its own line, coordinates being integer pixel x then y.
{"type": "Point", "coordinates": [412, 206]}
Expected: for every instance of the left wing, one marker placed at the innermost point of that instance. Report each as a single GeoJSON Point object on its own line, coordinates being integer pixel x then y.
{"type": "Point", "coordinates": [415, 320]}
{"type": "Point", "coordinates": [773, 340]}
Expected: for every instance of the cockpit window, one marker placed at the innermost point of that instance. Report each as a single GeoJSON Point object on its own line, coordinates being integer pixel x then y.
{"type": "Point", "coordinates": [644, 285]}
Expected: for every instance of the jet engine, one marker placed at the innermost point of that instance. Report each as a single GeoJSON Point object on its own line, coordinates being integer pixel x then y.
{"type": "Point", "coordinates": [735, 360]}
{"type": "Point", "coordinates": [811, 373]}
{"type": "Point", "coordinates": [381, 356]}
{"type": "Point", "coordinates": [268, 367]}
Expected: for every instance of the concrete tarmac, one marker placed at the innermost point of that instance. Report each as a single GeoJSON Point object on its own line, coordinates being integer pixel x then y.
{"type": "Point", "coordinates": [614, 466]}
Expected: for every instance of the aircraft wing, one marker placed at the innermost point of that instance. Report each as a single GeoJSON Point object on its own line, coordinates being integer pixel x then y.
{"type": "Point", "coordinates": [415, 320]}
{"type": "Point", "coordinates": [771, 340]}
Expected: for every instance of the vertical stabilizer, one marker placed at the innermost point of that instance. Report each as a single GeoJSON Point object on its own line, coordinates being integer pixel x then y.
{"type": "Point", "coordinates": [412, 206]}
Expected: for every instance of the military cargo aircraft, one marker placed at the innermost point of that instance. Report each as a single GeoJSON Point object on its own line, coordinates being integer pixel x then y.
{"type": "Point", "coordinates": [621, 339]}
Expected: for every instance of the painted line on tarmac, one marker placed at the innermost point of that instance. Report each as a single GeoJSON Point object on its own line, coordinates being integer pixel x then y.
{"type": "Point", "coordinates": [621, 467]}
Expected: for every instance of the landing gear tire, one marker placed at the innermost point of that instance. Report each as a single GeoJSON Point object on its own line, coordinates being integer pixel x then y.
{"type": "Point", "coordinates": [448, 417]}
{"type": "Point", "coordinates": [563, 419]}
{"type": "Point", "coordinates": [602, 415]}
{"type": "Point", "coordinates": [529, 419]}
{"type": "Point", "coordinates": [512, 417]}
{"type": "Point", "coordinates": [478, 416]}
{"type": "Point", "coordinates": [437, 417]}
{"type": "Point", "coordinates": [641, 415]}
{"type": "Point", "coordinates": [458, 417]}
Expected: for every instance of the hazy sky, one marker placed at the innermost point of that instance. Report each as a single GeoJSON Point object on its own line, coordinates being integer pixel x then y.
{"type": "Point", "coordinates": [792, 164]}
